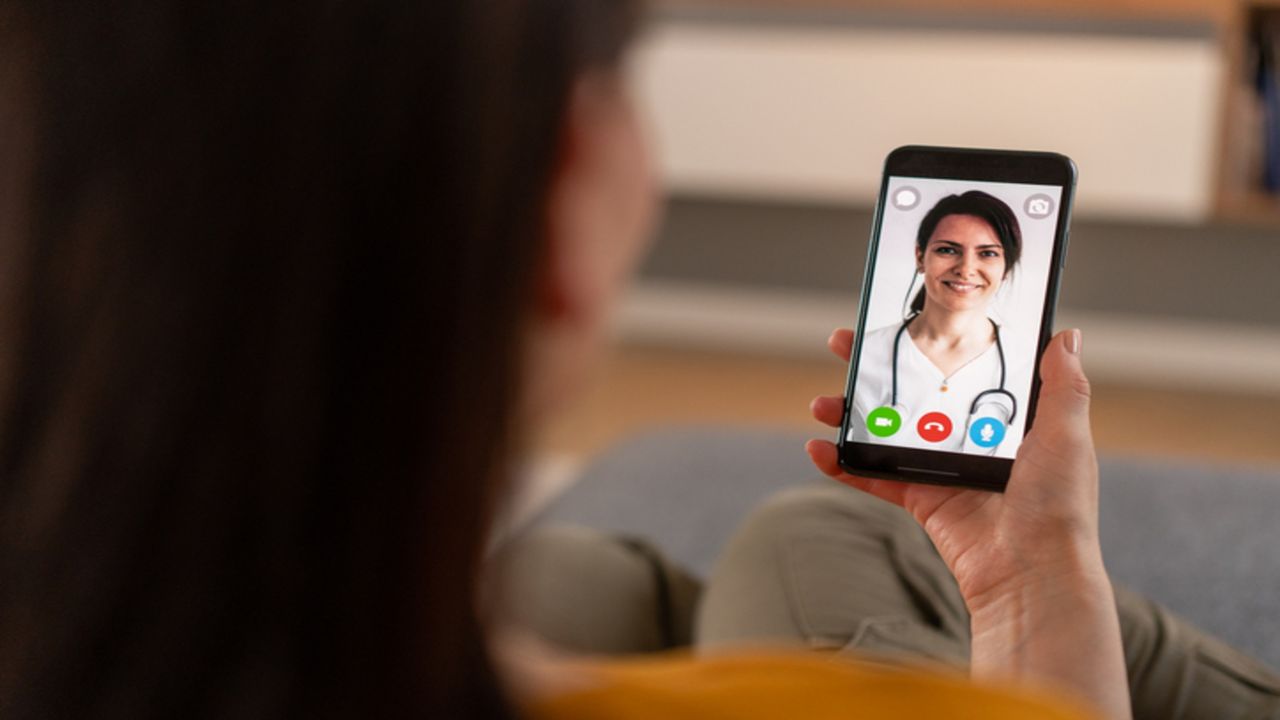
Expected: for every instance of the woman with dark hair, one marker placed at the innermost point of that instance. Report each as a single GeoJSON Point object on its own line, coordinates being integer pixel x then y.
{"type": "Point", "coordinates": [274, 275]}
{"type": "Point", "coordinates": [948, 353]}
{"type": "Point", "coordinates": [1000, 221]}
{"type": "Point", "coordinates": [281, 282]}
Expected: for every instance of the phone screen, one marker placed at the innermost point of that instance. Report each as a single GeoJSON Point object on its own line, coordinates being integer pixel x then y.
{"type": "Point", "coordinates": [961, 275]}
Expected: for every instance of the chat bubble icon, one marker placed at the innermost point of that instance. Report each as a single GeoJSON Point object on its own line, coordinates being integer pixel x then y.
{"type": "Point", "coordinates": [905, 198]}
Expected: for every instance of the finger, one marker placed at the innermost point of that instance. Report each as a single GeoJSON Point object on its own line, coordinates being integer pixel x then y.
{"type": "Point", "coordinates": [825, 457]}
{"type": "Point", "coordinates": [1064, 390]}
{"type": "Point", "coordinates": [828, 409]}
{"type": "Point", "coordinates": [841, 343]}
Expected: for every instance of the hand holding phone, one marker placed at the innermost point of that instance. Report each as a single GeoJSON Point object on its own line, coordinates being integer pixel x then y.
{"type": "Point", "coordinates": [1050, 506]}
{"type": "Point", "coordinates": [1028, 561]}
{"type": "Point", "coordinates": [942, 387]}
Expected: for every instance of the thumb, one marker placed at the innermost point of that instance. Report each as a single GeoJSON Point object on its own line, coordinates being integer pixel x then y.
{"type": "Point", "coordinates": [1064, 389]}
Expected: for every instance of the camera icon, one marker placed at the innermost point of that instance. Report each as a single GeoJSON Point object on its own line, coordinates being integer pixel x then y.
{"type": "Point", "coordinates": [1039, 206]}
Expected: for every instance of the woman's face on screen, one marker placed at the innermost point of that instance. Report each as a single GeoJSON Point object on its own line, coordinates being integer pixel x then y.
{"type": "Point", "coordinates": [963, 264]}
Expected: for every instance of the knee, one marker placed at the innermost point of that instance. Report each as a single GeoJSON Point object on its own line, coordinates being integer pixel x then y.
{"type": "Point", "coordinates": [590, 591]}
{"type": "Point", "coordinates": [827, 509]}
{"type": "Point", "coordinates": [556, 544]}
{"type": "Point", "coordinates": [540, 572]}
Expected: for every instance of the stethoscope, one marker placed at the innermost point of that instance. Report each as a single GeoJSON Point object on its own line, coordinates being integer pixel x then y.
{"type": "Point", "coordinates": [996, 397]}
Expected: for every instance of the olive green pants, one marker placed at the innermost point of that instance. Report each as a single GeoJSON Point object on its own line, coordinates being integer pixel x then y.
{"type": "Point", "coordinates": [829, 568]}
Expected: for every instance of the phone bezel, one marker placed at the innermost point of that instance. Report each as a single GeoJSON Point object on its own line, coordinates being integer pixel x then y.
{"type": "Point", "coordinates": [946, 163]}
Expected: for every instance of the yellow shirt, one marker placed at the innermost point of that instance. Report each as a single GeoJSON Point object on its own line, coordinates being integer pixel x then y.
{"type": "Point", "coordinates": [771, 686]}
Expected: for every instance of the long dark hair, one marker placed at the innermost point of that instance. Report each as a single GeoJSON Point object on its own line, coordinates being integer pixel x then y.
{"type": "Point", "coordinates": [262, 268]}
{"type": "Point", "coordinates": [987, 208]}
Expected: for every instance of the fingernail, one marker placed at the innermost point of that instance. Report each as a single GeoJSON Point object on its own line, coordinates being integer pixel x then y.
{"type": "Point", "coordinates": [1074, 341]}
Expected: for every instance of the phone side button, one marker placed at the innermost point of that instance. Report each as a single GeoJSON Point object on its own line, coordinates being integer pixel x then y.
{"type": "Point", "coordinates": [1066, 245]}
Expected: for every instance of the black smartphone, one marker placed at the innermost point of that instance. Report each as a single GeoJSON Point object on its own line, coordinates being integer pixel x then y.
{"type": "Point", "coordinates": [967, 253]}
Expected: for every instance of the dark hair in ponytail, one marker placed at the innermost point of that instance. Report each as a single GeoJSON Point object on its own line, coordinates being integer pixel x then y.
{"type": "Point", "coordinates": [263, 269]}
{"type": "Point", "coordinates": [988, 208]}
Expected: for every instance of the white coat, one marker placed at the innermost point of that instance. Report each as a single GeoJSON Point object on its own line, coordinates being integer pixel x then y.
{"type": "Point", "coordinates": [921, 391]}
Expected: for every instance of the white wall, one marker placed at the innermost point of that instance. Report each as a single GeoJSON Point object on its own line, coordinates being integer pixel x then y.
{"type": "Point", "coordinates": [809, 112]}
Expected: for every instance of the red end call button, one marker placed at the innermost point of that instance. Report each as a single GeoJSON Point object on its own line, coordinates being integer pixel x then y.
{"type": "Point", "coordinates": [934, 427]}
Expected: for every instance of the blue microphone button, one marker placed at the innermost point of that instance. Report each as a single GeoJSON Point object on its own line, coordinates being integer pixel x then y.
{"type": "Point", "coordinates": [986, 432]}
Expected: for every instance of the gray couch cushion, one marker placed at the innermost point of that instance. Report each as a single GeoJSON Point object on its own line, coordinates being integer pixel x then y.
{"type": "Point", "coordinates": [1202, 539]}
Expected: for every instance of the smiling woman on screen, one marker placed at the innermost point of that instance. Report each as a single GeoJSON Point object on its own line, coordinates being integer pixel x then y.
{"type": "Point", "coordinates": [946, 360]}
